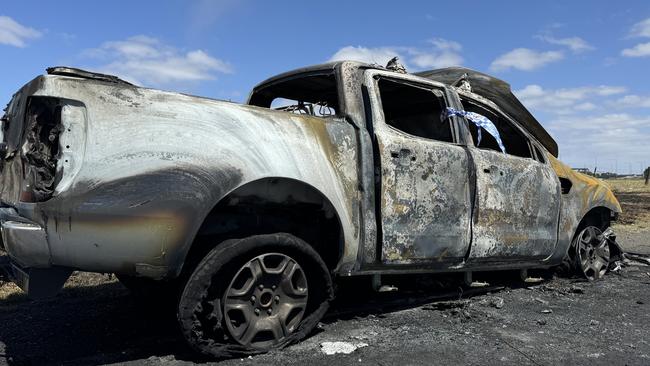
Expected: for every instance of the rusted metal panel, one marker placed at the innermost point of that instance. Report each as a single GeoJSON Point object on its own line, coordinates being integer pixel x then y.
{"type": "Point", "coordinates": [139, 169]}
{"type": "Point", "coordinates": [352, 105]}
{"type": "Point", "coordinates": [586, 193]}
{"type": "Point", "coordinates": [425, 201]}
{"type": "Point", "coordinates": [155, 163]}
{"type": "Point", "coordinates": [517, 207]}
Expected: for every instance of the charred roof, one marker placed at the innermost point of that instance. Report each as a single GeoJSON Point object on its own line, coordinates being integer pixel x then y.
{"type": "Point", "coordinates": [499, 92]}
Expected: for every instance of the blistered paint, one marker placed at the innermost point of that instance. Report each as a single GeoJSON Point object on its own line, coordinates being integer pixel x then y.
{"type": "Point", "coordinates": [425, 201]}
{"type": "Point", "coordinates": [586, 194]}
{"type": "Point", "coordinates": [424, 197]}
{"type": "Point", "coordinates": [154, 164]}
{"type": "Point", "coordinates": [517, 207]}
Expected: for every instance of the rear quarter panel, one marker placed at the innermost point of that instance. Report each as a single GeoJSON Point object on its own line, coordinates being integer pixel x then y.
{"type": "Point", "coordinates": [155, 163]}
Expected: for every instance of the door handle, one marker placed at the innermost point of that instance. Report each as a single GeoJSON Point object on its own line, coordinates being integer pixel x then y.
{"type": "Point", "coordinates": [403, 155]}
{"type": "Point", "coordinates": [491, 169]}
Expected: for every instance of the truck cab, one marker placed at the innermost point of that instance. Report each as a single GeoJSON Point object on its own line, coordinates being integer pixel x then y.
{"type": "Point", "coordinates": [440, 195]}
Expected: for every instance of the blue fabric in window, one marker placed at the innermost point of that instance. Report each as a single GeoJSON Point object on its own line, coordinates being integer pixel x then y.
{"type": "Point", "coordinates": [481, 122]}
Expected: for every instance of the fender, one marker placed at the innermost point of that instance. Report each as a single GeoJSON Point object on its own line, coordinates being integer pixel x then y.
{"type": "Point", "coordinates": [583, 194]}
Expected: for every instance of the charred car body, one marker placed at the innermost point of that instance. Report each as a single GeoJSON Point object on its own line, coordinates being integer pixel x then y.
{"type": "Point", "coordinates": [249, 211]}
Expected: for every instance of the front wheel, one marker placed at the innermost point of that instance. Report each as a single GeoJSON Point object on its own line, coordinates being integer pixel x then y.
{"type": "Point", "coordinates": [254, 294]}
{"type": "Point", "coordinates": [592, 254]}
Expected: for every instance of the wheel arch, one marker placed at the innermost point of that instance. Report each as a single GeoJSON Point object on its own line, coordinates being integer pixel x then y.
{"type": "Point", "coordinates": [270, 205]}
{"type": "Point", "coordinates": [599, 216]}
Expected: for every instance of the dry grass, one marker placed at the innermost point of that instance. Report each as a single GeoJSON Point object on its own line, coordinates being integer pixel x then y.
{"type": "Point", "coordinates": [79, 281]}
{"type": "Point", "coordinates": [628, 185]}
{"type": "Point", "coordinates": [8, 290]}
{"type": "Point", "coordinates": [634, 197]}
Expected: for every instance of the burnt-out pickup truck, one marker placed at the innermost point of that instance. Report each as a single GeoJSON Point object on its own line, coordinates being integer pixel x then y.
{"type": "Point", "coordinates": [248, 213]}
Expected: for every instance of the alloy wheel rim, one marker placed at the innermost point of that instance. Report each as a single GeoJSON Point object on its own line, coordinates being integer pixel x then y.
{"type": "Point", "coordinates": [265, 301]}
{"type": "Point", "coordinates": [593, 253]}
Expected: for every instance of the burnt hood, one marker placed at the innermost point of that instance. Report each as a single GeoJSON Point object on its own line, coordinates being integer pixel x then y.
{"type": "Point", "coordinates": [499, 92]}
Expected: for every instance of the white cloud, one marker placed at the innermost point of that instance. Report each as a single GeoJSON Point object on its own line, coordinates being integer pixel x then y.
{"type": "Point", "coordinates": [446, 45]}
{"type": "Point", "coordinates": [586, 130]}
{"type": "Point", "coordinates": [641, 29]}
{"type": "Point", "coordinates": [575, 44]}
{"type": "Point", "coordinates": [525, 59]}
{"type": "Point", "coordinates": [583, 107]}
{"type": "Point", "coordinates": [565, 100]}
{"type": "Point", "coordinates": [640, 50]}
{"type": "Point", "coordinates": [603, 137]}
{"type": "Point", "coordinates": [142, 59]}
{"type": "Point", "coordinates": [601, 122]}
{"type": "Point", "coordinates": [379, 55]}
{"type": "Point", "coordinates": [633, 101]}
{"type": "Point", "coordinates": [444, 53]}
{"type": "Point", "coordinates": [15, 34]}
{"type": "Point", "coordinates": [441, 53]}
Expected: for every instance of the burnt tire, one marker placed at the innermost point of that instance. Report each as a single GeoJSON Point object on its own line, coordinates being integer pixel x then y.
{"type": "Point", "coordinates": [255, 285]}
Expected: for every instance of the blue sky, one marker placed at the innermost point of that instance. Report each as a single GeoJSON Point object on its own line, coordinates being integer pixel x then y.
{"type": "Point", "coordinates": [580, 66]}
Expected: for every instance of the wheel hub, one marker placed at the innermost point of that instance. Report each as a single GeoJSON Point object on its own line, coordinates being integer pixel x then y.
{"type": "Point", "coordinates": [266, 298]}
{"type": "Point", "coordinates": [265, 301]}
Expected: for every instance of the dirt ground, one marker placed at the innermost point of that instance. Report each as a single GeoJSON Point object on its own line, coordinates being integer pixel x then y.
{"type": "Point", "coordinates": [633, 227]}
{"type": "Point", "coordinates": [96, 321]}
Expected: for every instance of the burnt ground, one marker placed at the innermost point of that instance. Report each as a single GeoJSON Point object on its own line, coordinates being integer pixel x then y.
{"type": "Point", "coordinates": [633, 227]}
{"type": "Point", "coordinates": [569, 321]}
{"type": "Point", "coordinates": [556, 321]}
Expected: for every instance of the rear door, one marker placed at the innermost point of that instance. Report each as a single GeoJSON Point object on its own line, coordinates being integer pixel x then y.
{"type": "Point", "coordinates": [518, 195]}
{"type": "Point", "coordinates": [423, 173]}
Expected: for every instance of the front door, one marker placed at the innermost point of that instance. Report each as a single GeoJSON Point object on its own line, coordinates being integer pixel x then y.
{"type": "Point", "coordinates": [518, 195]}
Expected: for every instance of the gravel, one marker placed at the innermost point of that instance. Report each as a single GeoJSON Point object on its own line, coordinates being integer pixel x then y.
{"type": "Point", "coordinates": [558, 321]}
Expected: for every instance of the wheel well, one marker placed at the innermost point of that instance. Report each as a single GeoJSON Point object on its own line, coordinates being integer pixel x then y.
{"type": "Point", "coordinates": [272, 205]}
{"type": "Point", "coordinates": [599, 217]}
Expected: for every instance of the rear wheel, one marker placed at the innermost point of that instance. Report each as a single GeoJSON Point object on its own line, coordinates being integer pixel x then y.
{"type": "Point", "coordinates": [266, 300]}
{"type": "Point", "coordinates": [254, 294]}
{"type": "Point", "coordinates": [592, 254]}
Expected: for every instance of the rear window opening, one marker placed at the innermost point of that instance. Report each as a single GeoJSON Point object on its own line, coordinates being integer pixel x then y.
{"type": "Point", "coordinates": [314, 95]}
{"type": "Point", "coordinates": [319, 109]}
